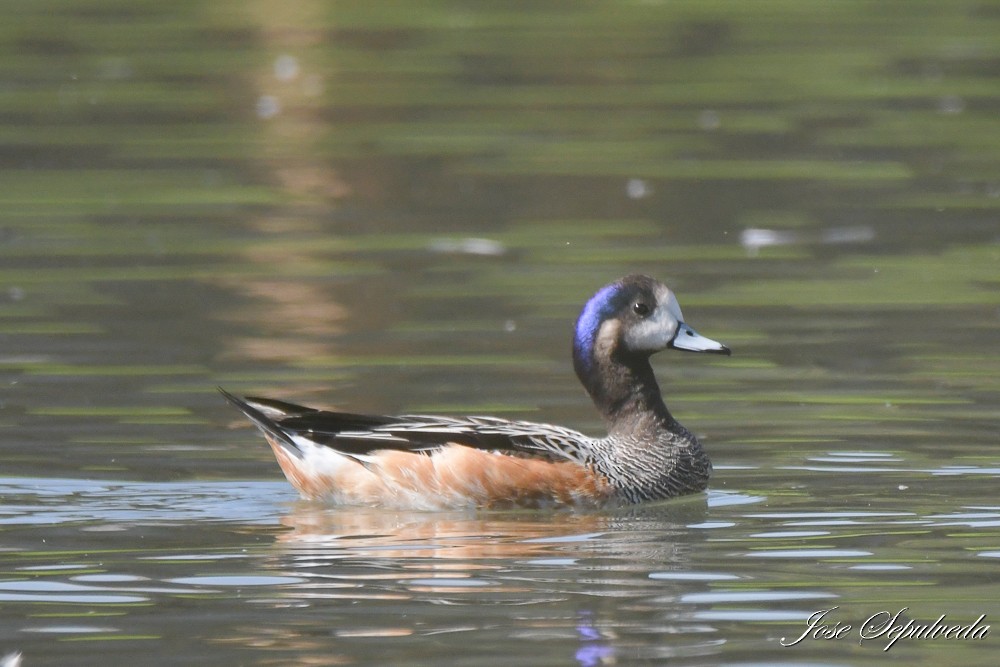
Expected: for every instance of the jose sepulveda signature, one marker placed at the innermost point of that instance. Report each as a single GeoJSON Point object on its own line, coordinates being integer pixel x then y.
{"type": "Point", "coordinates": [888, 627]}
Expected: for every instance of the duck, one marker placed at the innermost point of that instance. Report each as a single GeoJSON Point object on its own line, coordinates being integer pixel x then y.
{"type": "Point", "coordinates": [425, 462]}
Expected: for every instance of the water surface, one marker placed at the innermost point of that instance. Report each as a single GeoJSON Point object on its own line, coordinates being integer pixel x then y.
{"type": "Point", "coordinates": [395, 208]}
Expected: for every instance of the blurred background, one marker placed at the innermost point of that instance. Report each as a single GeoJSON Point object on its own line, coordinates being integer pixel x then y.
{"type": "Point", "coordinates": [402, 206]}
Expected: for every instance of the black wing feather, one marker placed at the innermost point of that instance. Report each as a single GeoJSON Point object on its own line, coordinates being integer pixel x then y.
{"type": "Point", "coordinates": [357, 434]}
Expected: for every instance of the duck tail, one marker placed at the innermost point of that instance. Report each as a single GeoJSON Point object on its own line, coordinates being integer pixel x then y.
{"type": "Point", "coordinates": [265, 423]}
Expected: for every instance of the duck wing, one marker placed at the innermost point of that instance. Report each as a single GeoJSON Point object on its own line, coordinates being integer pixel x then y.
{"type": "Point", "coordinates": [358, 435]}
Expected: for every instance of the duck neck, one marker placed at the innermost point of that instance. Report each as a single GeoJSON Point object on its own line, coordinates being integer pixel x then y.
{"type": "Point", "coordinates": [627, 394]}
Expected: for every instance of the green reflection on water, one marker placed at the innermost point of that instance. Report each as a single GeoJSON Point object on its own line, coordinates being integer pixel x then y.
{"type": "Point", "coordinates": [161, 235]}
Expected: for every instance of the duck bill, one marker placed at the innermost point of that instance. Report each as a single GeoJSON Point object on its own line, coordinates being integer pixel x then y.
{"type": "Point", "coordinates": [690, 340]}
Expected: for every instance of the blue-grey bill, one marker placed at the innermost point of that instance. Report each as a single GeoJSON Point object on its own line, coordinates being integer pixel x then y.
{"type": "Point", "coordinates": [688, 339]}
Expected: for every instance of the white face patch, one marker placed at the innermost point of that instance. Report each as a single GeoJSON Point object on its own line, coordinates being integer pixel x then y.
{"type": "Point", "coordinates": [656, 331]}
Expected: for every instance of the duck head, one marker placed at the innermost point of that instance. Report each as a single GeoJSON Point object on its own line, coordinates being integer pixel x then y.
{"type": "Point", "coordinates": [619, 328]}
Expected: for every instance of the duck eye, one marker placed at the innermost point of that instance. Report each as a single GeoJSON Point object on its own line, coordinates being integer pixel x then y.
{"type": "Point", "coordinates": [641, 309]}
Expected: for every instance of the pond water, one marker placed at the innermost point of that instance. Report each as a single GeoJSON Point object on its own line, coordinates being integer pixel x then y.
{"type": "Point", "coordinates": [401, 207]}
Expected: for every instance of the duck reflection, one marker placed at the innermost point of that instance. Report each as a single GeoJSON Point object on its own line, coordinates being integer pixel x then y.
{"type": "Point", "coordinates": [641, 532]}
{"type": "Point", "coordinates": [516, 557]}
{"type": "Point", "coordinates": [570, 582]}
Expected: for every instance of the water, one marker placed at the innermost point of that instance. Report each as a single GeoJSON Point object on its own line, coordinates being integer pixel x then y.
{"type": "Point", "coordinates": [241, 573]}
{"type": "Point", "coordinates": [401, 209]}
